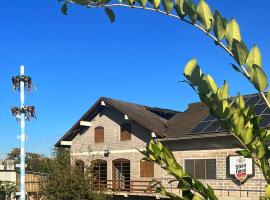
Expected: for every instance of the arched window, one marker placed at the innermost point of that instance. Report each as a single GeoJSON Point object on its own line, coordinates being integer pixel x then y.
{"type": "Point", "coordinates": [99, 168]}
{"type": "Point", "coordinates": [125, 132]}
{"type": "Point", "coordinates": [99, 134]}
{"type": "Point", "coordinates": [80, 165]}
{"type": "Point", "coordinates": [121, 174]}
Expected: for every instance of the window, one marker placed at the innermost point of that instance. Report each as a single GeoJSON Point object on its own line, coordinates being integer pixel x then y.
{"type": "Point", "coordinates": [125, 132]}
{"type": "Point", "coordinates": [201, 168]}
{"type": "Point", "coordinates": [99, 134]}
{"type": "Point", "coordinates": [147, 169]}
{"type": "Point", "coordinates": [100, 173]}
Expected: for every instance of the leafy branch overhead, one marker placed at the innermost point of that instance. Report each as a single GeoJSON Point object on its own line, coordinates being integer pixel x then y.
{"type": "Point", "coordinates": [225, 33]}
{"type": "Point", "coordinates": [234, 115]}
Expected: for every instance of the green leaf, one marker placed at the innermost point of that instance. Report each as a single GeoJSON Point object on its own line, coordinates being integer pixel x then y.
{"type": "Point", "coordinates": [261, 151]}
{"type": "Point", "coordinates": [211, 83]}
{"type": "Point", "coordinates": [110, 14]}
{"type": "Point", "coordinates": [267, 191]}
{"type": "Point", "coordinates": [197, 198]}
{"type": "Point", "coordinates": [240, 52]}
{"type": "Point", "coordinates": [205, 15]}
{"type": "Point", "coordinates": [247, 135]}
{"type": "Point", "coordinates": [259, 78]}
{"type": "Point", "coordinates": [254, 57]}
{"type": "Point", "coordinates": [223, 92]}
{"type": "Point", "coordinates": [232, 32]}
{"type": "Point", "coordinates": [219, 27]}
{"type": "Point", "coordinates": [244, 153]}
{"type": "Point", "coordinates": [203, 87]}
{"type": "Point", "coordinates": [168, 6]}
{"type": "Point", "coordinates": [193, 72]}
{"type": "Point", "coordinates": [190, 9]}
{"type": "Point", "coordinates": [190, 66]}
{"type": "Point", "coordinates": [155, 3]}
{"type": "Point", "coordinates": [179, 8]}
{"type": "Point", "coordinates": [235, 68]}
{"type": "Point", "coordinates": [240, 102]}
{"type": "Point", "coordinates": [143, 3]}
{"type": "Point", "coordinates": [64, 8]}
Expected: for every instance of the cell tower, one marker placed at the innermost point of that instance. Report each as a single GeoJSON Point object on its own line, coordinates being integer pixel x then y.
{"type": "Point", "coordinates": [22, 113]}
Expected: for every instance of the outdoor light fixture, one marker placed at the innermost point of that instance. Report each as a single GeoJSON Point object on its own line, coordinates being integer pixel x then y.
{"type": "Point", "coordinates": [106, 152]}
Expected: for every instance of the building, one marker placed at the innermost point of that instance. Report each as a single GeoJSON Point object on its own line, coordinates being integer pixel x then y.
{"type": "Point", "coordinates": [111, 131]}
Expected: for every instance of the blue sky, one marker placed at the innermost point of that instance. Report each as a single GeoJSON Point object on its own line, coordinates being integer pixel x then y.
{"type": "Point", "coordinates": [75, 59]}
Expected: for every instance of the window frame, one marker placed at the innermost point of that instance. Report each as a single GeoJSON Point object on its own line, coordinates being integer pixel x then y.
{"type": "Point", "coordinates": [206, 175]}
{"type": "Point", "coordinates": [99, 139]}
{"type": "Point", "coordinates": [125, 137]}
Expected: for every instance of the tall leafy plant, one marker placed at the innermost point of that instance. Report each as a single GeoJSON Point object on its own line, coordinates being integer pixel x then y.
{"type": "Point", "coordinates": [234, 115]}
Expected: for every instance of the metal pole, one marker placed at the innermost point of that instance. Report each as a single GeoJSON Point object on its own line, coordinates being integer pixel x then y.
{"type": "Point", "coordinates": [23, 137]}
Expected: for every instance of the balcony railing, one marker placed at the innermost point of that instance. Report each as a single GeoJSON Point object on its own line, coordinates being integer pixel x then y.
{"type": "Point", "coordinates": [129, 186]}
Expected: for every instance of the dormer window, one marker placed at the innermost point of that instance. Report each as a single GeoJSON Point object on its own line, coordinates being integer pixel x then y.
{"type": "Point", "coordinates": [99, 134]}
{"type": "Point", "coordinates": [125, 132]}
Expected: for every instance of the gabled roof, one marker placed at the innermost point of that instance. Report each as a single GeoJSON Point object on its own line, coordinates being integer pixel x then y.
{"type": "Point", "coordinates": [195, 122]}
{"type": "Point", "coordinates": [152, 118]}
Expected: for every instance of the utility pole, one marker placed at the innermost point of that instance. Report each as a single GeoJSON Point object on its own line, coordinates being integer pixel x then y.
{"type": "Point", "coordinates": [21, 114]}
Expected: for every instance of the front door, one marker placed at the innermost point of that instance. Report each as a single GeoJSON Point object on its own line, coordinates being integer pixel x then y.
{"type": "Point", "coordinates": [121, 175]}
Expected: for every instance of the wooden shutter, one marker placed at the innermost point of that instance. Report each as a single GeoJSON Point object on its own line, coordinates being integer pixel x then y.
{"type": "Point", "coordinates": [147, 169]}
{"type": "Point", "coordinates": [99, 134]}
{"type": "Point", "coordinates": [125, 132]}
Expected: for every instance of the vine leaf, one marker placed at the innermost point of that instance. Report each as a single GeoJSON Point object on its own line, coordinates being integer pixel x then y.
{"type": "Point", "coordinates": [109, 12]}
{"type": "Point", "coordinates": [240, 52]}
{"type": "Point", "coordinates": [254, 57]}
{"type": "Point", "coordinates": [143, 3]}
{"type": "Point", "coordinates": [179, 8]}
{"type": "Point", "coordinates": [211, 83]}
{"type": "Point", "coordinates": [232, 32]}
{"type": "Point", "coordinates": [219, 26]}
{"type": "Point", "coordinates": [259, 78]}
{"type": "Point", "coordinates": [235, 68]}
{"type": "Point", "coordinates": [168, 6]}
{"type": "Point", "coordinates": [205, 15]}
{"type": "Point", "coordinates": [190, 9]}
{"type": "Point", "coordinates": [155, 3]}
{"type": "Point", "coordinates": [64, 8]}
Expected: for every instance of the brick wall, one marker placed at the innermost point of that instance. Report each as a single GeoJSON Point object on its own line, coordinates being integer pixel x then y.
{"type": "Point", "coordinates": [83, 147]}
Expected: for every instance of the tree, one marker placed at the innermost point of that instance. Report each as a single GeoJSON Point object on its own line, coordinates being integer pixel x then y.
{"type": "Point", "coordinates": [7, 190]}
{"type": "Point", "coordinates": [34, 161]}
{"type": "Point", "coordinates": [66, 181]}
{"type": "Point", "coordinates": [237, 118]}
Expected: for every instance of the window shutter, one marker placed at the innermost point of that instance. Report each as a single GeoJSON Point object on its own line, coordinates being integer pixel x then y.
{"type": "Point", "coordinates": [99, 134]}
{"type": "Point", "coordinates": [147, 169]}
{"type": "Point", "coordinates": [125, 132]}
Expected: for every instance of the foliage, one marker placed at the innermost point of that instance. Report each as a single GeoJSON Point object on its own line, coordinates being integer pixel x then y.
{"type": "Point", "coordinates": [66, 181]}
{"type": "Point", "coordinates": [7, 190]}
{"type": "Point", "coordinates": [35, 162]}
{"type": "Point", "coordinates": [239, 119]}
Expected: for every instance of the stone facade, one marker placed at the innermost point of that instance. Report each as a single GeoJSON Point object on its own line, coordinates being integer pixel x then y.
{"type": "Point", "coordinates": [84, 148]}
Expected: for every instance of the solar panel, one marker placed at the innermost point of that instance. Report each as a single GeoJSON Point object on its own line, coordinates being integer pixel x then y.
{"type": "Point", "coordinates": [265, 121]}
{"type": "Point", "coordinates": [210, 124]}
{"type": "Point", "coordinates": [259, 109]}
{"type": "Point", "coordinates": [213, 127]}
